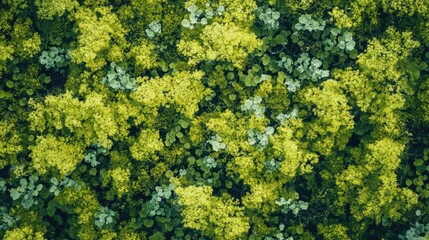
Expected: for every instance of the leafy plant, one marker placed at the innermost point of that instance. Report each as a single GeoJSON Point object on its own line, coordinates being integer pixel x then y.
{"type": "Point", "coordinates": [201, 16]}
{"type": "Point", "coordinates": [118, 78]}
{"type": "Point", "coordinates": [307, 22]}
{"type": "Point", "coordinates": [209, 162]}
{"type": "Point", "coordinates": [216, 142]}
{"type": "Point", "coordinates": [154, 29]}
{"type": "Point", "coordinates": [281, 235]}
{"type": "Point", "coordinates": [253, 80]}
{"type": "Point", "coordinates": [7, 221]}
{"type": "Point", "coordinates": [283, 117]}
{"type": "Point", "coordinates": [65, 183]}
{"type": "Point", "coordinates": [258, 139]}
{"type": "Point", "coordinates": [292, 85]}
{"type": "Point", "coordinates": [293, 206]}
{"type": "Point", "coordinates": [268, 17]}
{"type": "Point", "coordinates": [272, 165]}
{"type": "Point", "coordinates": [417, 232]}
{"type": "Point", "coordinates": [27, 191]}
{"type": "Point", "coordinates": [307, 68]}
{"type": "Point", "coordinates": [2, 185]}
{"type": "Point", "coordinates": [178, 133]}
{"type": "Point", "coordinates": [93, 154]}
{"type": "Point", "coordinates": [104, 217]}
{"type": "Point", "coordinates": [55, 57]}
{"type": "Point", "coordinates": [341, 39]}
{"type": "Point", "coordinates": [157, 205]}
{"type": "Point", "coordinates": [253, 104]}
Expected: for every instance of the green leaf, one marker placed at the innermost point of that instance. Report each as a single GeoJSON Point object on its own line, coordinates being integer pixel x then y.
{"type": "Point", "coordinates": [191, 160]}
{"type": "Point", "coordinates": [179, 134]}
{"type": "Point", "coordinates": [253, 237]}
{"type": "Point", "coordinates": [418, 162]}
{"type": "Point", "coordinates": [353, 54]}
{"type": "Point", "coordinates": [193, 19]}
{"type": "Point", "coordinates": [14, 194]}
{"type": "Point", "coordinates": [186, 23]}
{"type": "Point", "coordinates": [265, 59]}
{"type": "Point", "coordinates": [148, 223]}
{"type": "Point", "coordinates": [275, 15]}
{"type": "Point", "coordinates": [183, 123]}
{"type": "Point", "coordinates": [228, 184]}
{"type": "Point", "coordinates": [303, 19]}
{"type": "Point", "coordinates": [27, 203]}
{"type": "Point", "coordinates": [179, 232]}
{"type": "Point", "coordinates": [408, 182]}
{"type": "Point", "coordinates": [92, 171]}
{"type": "Point", "coordinates": [348, 37]}
{"type": "Point", "coordinates": [168, 227]}
{"type": "Point", "coordinates": [248, 81]}
{"type": "Point", "coordinates": [9, 84]}
{"type": "Point", "coordinates": [335, 31]}
{"type": "Point", "coordinates": [192, 8]}
{"type": "Point", "coordinates": [295, 38]}
{"type": "Point", "coordinates": [299, 230]}
{"type": "Point", "coordinates": [280, 39]}
{"type": "Point", "coordinates": [23, 102]}
{"type": "Point", "coordinates": [230, 75]}
{"type": "Point", "coordinates": [157, 236]}
{"type": "Point", "coordinates": [169, 174]}
{"type": "Point", "coordinates": [350, 45]}
{"type": "Point", "coordinates": [150, 33]}
{"type": "Point", "coordinates": [256, 68]}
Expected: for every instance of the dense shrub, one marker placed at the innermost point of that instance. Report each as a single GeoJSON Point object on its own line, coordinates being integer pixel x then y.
{"type": "Point", "coordinates": [226, 119]}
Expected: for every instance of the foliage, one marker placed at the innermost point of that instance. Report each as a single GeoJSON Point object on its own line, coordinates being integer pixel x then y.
{"type": "Point", "coordinates": [104, 217]}
{"type": "Point", "coordinates": [118, 78]}
{"type": "Point", "coordinates": [153, 207]}
{"type": "Point", "coordinates": [7, 221]}
{"type": "Point", "coordinates": [216, 143]}
{"type": "Point", "coordinates": [201, 16]}
{"type": "Point", "coordinates": [227, 119]}
{"type": "Point", "coordinates": [54, 58]}
{"type": "Point", "coordinates": [268, 17]}
{"type": "Point", "coordinates": [154, 29]}
{"type": "Point", "coordinates": [253, 104]}
{"type": "Point", "coordinates": [294, 206]}
{"type": "Point", "coordinates": [220, 42]}
{"type": "Point", "coordinates": [27, 191]}
{"type": "Point", "coordinates": [306, 22]}
{"type": "Point", "coordinates": [418, 231]}
{"type": "Point", "coordinates": [92, 154]}
{"type": "Point", "coordinates": [23, 233]}
{"type": "Point", "coordinates": [215, 217]}
{"type": "Point", "coordinates": [65, 183]}
{"type": "Point", "coordinates": [51, 152]}
{"type": "Point", "coordinates": [50, 9]}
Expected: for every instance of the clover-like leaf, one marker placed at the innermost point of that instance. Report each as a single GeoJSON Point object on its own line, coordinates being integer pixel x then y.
{"type": "Point", "coordinates": [14, 194]}
{"type": "Point", "coordinates": [276, 15]}
{"type": "Point", "coordinates": [350, 45]}
{"type": "Point", "coordinates": [335, 31]}
{"type": "Point", "coordinates": [192, 8]}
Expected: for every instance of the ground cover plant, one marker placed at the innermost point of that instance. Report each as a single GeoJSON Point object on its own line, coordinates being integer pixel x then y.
{"type": "Point", "coordinates": [221, 119]}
